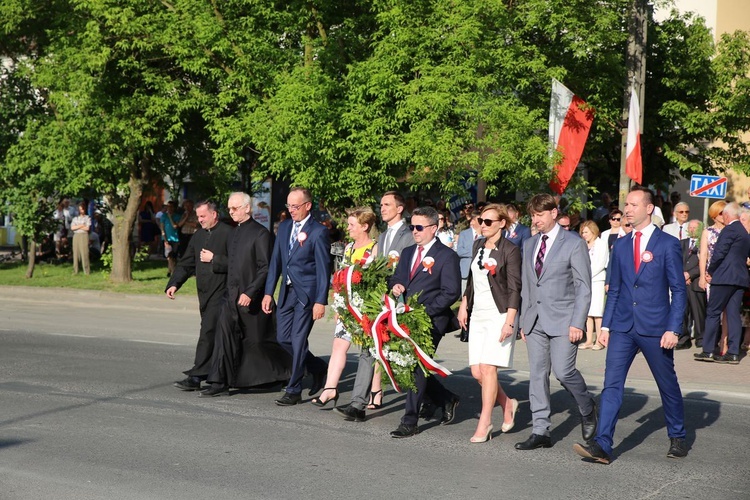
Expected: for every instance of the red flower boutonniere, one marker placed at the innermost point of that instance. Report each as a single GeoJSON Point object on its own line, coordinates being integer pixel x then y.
{"type": "Point", "coordinates": [491, 266]}
{"type": "Point", "coordinates": [647, 256]}
{"type": "Point", "coordinates": [428, 262]}
{"type": "Point", "coordinates": [302, 238]}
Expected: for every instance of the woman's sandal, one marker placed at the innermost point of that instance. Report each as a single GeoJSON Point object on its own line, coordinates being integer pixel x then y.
{"type": "Point", "coordinates": [372, 405]}
{"type": "Point", "coordinates": [318, 402]}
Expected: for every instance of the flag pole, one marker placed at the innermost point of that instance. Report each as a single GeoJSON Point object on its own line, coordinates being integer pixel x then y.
{"type": "Point", "coordinates": [636, 76]}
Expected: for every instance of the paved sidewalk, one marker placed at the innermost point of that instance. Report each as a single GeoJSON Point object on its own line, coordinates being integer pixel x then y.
{"type": "Point", "coordinates": [698, 380]}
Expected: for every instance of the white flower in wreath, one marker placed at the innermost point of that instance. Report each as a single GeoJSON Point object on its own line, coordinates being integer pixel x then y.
{"type": "Point", "coordinates": [357, 301]}
{"type": "Point", "coordinates": [338, 301]}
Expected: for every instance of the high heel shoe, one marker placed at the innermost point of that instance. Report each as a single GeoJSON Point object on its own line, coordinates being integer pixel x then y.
{"type": "Point", "coordinates": [482, 439]}
{"type": "Point", "coordinates": [372, 405]}
{"type": "Point", "coordinates": [506, 427]}
{"type": "Point", "coordinates": [318, 402]}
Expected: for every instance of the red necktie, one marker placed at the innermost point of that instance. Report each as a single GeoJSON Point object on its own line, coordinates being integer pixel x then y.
{"type": "Point", "coordinates": [417, 262]}
{"type": "Point", "coordinates": [637, 251]}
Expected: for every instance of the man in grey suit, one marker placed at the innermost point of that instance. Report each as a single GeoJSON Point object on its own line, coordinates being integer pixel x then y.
{"type": "Point", "coordinates": [391, 242]}
{"type": "Point", "coordinates": [555, 299]}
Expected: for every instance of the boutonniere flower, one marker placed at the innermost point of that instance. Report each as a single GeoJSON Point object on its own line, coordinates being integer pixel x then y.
{"type": "Point", "coordinates": [301, 238]}
{"type": "Point", "coordinates": [513, 235]}
{"type": "Point", "coordinates": [491, 265]}
{"type": "Point", "coordinates": [428, 262]}
{"type": "Point", "coordinates": [647, 256]}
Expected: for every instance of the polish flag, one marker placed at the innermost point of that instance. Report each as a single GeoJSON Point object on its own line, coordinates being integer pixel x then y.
{"type": "Point", "coordinates": [569, 127]}
{"type": "Point", "coordinates": [633, 161]}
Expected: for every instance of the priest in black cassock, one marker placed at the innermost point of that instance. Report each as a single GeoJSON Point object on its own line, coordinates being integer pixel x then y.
{"type": "Point", "coordinates": [206, 258]}
{"type": "Point", "coordinates": [246, 353]}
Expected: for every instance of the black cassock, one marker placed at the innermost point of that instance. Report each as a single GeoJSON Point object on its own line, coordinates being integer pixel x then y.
{"type": "Point", "coordinates": [210, 280]}
{"type": "Point", "coordinates": [246, 353]}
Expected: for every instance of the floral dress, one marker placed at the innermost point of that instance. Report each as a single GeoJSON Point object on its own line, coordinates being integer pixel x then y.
{"type": "Point", "coordinates": [713, 236]}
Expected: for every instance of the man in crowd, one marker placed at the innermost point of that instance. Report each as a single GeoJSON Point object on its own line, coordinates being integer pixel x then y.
{"type": "Point", "coordinates": [464, 222]}
{"type": "Point", "coordinates": [727, 274]}
{"type": "Point", "coordinates": [555, 299]}
{"type": "Point", "coordinates": [639, 316]}
{"type": "Point", "coordinates": [391, 243]}
{"type": "Point", "coordinates": [679, 228]}
{"type": "Point", "coordinates": [301, 258]}
{"type": "Point", "coordinates": [206, 259]}
{"type": "Point", "coordinates": [464, 250]}
{"type": "Point", "coordinates": [517, 233]}
{"type": "Point", "coordinates": [245, 352]}
{"type": "Point", "coordinates": [695, 314]}
{"type": "Point", "coordinates": [438, 290]}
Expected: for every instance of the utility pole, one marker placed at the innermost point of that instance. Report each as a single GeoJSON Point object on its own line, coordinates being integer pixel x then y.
{"type": "Point", "coordinates": [635, 61]}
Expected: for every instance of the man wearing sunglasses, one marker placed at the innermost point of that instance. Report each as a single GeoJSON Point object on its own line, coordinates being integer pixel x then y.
{"type": "Point", "coordinates": [301, 258]}
{"type": "Point", "coordinates": [439, 287]}
{"type": "Point", "coordinates": [679, 228]}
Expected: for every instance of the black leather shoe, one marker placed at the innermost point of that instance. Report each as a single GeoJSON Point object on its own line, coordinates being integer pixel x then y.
{"type": "Point", "coordinates": [588, 425]}
{"type": "Point", "coordinates": [189, 384]}
{"type": "Point", "coordinates": [449, 410]}
{"type": "Point", "coordinates": [686, 345]}
{"type": "Point", "coordinates": [677, 448]}
{"type": "Point", "coordinates": [350, 413]}
{"type": "Point", "coordinates": [405, 431]}
{"type": "Point", "coordinates": [727, 359]}
{"type": "Point", "coordinates": [535, 441]}
{"type": "Point", "coordinates": [592, 451]}
{"type": "Point", "coordinates": [703, 356]}
{"type": "Point", "coordinates": [214, 391]}
{"type": "Point", "coordinates": [428, 410]}
{"type": "Point", "coordinates": [319, 380]}
{"type": "Point", "coordinates": [289, 399]}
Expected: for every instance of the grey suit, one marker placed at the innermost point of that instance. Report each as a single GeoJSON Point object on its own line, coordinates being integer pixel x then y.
{"type": "Point", "coordinates": [365, 368]}
{"type": "Point", "coordinates": [550, 304]}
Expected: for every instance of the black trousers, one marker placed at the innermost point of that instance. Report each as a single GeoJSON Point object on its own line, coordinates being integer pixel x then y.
{"type": "Point", "coordinates": [206, 338]}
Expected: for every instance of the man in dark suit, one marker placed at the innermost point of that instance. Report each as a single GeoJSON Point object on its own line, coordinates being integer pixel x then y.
{"type": "Point", "coordinates": [301, 258]}
{"type": "Point", "coordinates": [695, 315]}
{"type": "Point", "coordinates": [439, 287]}
{"type": "Point", "coordinates": [245, 352]}
{"type": "Point", "coordinates": [206, 258]}
{"type": "Point", "coordinates": [555, 300]}
{"type": "Point", "coordinates": [727, 274]}
{"type": "Point", "coordinates": [391, 244]}
{"type": "Point", "coordinates": [639, 316]}
{"type": "Point", "coordinates": [516, 233]}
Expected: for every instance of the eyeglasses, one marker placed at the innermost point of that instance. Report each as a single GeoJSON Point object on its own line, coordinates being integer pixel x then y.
{"type": "Point", "coordinates": [296, 207]}
{"type": "Point", "coordinates": [616, 219]}
{"type": "Point", "coordinates": [468, 207]}
{"type": "Point", "coordinates": [419, 227]}
{"type": "Point", "coordinates": [486, 222]}
{"type": "Point", "coordinates": [441, 218]}
{"type": "Point", "coordinates": [565, 226]}
{"type": "Point", "coordinates": [234, 209]}
{"type": "Point", "coordinates": [627, 225]}
{"type": "Point", "coordinates": [683, 211]}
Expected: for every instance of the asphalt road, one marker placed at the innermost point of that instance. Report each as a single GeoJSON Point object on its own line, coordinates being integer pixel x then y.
{"type": "Point", "coordinates": [88, 411]}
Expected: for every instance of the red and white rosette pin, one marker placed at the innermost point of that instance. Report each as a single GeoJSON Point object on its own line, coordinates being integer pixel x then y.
{"type": "Point", "coordinates": [301, 237]}
{"type": "Point", "coordinates": [393, 257]}
{"type": "Point", "coordinates": [647, 257]}
{"type": "Point", "coordinates": [491, 266]}
{"type": "Point", "coordinates": [428, 262]}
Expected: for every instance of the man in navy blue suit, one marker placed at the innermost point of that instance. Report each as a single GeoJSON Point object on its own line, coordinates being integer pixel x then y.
{"type": "Point", "coordinates": [301, 258]}
{"type": "Point", "coordinates": [439, 287]}
{"type": "Point", "coordinates": [727, 274]}
{"type": "Point", "coordinates": [639, 316]}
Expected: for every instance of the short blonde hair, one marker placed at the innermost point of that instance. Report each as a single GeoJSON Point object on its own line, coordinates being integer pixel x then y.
{"type": "Point", "coordinates": [364, 215]}
{"type": "Point", "coordinates": [591, 225]}
{"type": "Point", "coordinates": [716, 208]}
{"type": "Point", "coordinates": [502, 212]}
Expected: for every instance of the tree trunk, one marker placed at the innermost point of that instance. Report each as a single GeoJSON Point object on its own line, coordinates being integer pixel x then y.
{"type": "Point", "coordinates": [122, 230]}
{"type": "Point", "coordinates": [32, 258]}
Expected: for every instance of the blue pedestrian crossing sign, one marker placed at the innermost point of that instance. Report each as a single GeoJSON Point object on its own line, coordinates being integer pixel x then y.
{"type": "Point", "coordinates": [708, 186]}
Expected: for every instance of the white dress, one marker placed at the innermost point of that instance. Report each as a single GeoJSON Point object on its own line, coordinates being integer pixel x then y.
{"type": "Point", "coordinates": [485, 325]}
{"type": "Point", "coordinates": [599, 254]}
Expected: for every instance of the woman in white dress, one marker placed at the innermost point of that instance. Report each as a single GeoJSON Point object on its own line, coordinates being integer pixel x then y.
{"type": "Point", "coordinates": [489, 309]}
{"type": "Point", "coordinates": [599, 255]}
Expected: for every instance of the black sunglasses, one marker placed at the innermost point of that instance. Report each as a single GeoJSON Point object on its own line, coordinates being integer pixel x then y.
{"type": "Point", "coordinates": [419, 227]}
{"type": "Point", "coordinates": [486, 222]}
{"type": "Point", "coordinates": [616, 219]}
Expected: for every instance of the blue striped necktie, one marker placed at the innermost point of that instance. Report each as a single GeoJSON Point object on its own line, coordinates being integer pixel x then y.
{"type": "Point", "coordinates": [293, 239]}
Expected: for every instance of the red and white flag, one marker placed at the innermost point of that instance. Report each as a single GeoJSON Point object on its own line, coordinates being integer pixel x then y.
{"type": "Point", "coordinates": [569, 126]}
{"type": "Point", "coordinates": [633, 161]}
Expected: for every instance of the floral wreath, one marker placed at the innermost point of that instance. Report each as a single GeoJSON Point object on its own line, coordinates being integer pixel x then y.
{"type": "Point", "coordinates": [397, 334]}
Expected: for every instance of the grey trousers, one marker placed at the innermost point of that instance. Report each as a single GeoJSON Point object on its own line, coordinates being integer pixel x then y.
{"type": "Point", "coordinates": [363, 380]}
{"type": "Point", "coordinates": [558, 355]}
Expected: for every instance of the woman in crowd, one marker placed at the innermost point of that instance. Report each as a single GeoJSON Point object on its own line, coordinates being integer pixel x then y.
{"type": "Point", "coordinates": [615, 222]}
{"type": "Point", "coordinates": [708, 240]}
{"type": "Point", "coordinates": [599, 255]}
{"type": "Point", "coordinates": [445, 232]}
{"type": "Point", "coordinates": [489, 310]}
{"type": "Point", "coordinates": [359, 225]}
{"type": "Point", "coordinates": [170, 235]}
{"type": "Point", "coordinates": [149, 229]}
